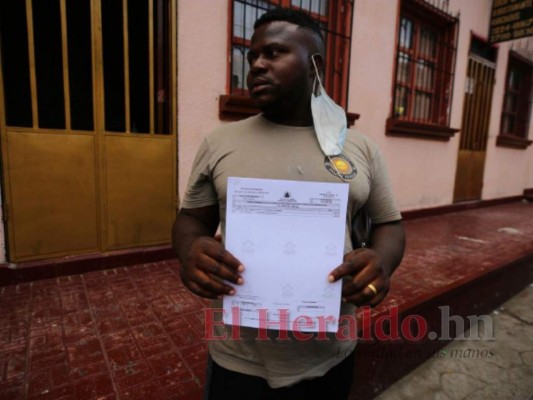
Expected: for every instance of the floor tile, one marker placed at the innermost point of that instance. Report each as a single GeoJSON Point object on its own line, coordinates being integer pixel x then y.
{"type": "Point", "coordinates": [48, 378]}
{"type": "Point", "coordinates": [151, 339]}
{"type": "Point", "coordinates": [94, 387]}
{"type": "Point", "coordinates": [167, 364]}
{"type": "Point", "coordinates": [13, 389]}
{"type": "Point", "coordinates": [132, 374]}
{"type": "Point", "coordinates": [136, 332]}
{"type": "Point", "coordinates": [85, 352]}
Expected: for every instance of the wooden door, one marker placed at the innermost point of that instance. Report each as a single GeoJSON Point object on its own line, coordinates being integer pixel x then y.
{"type": "Point", "coordinates": [87, 124]}
{"type": "Point", "coordinates": [474, 129]}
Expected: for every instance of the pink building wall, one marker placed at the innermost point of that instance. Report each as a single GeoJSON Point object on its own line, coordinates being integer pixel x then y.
{"type": "Point", "coordinates": [422, 171]}
{"type": "Point", "coordinates": [507, 171]}
{"type": "Point", "coordinates": [202, 67]}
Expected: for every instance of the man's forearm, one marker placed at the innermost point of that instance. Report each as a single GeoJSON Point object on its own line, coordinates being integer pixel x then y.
{"type": "Point", "coordinates": [188, 227]}
{"type": "Point", "coordinates": [388, 240]}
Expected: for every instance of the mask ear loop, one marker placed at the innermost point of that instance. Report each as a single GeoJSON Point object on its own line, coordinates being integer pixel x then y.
{"type": "Point", "coordinates": [316, 72]}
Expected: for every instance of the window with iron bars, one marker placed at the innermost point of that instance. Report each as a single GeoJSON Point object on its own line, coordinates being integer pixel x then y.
{"type": "Point", "coordinates": [424, 74]}
{"type": "Point", "coordinates": [335, 20]}
{"type": "Point", "coordinates": [516, 109]}
{"type": "Point", "coordinates": [517, 101]}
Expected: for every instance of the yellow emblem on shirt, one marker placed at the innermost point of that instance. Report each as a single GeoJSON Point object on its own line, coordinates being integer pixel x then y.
{"type": "Point", "coordinates": [340, 165]}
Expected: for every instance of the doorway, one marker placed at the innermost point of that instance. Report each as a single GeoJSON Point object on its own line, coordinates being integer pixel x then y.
{"type": "Point", "coordinates": [475, 124]}
{"type": "Point", "coordinates": [89, 129]}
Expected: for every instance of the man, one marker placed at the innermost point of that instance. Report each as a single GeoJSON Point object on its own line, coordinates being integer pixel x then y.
{"type": "Point", "coordinates": [286, 51]}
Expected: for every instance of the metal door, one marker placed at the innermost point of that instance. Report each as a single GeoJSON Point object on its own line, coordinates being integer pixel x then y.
{"type": "Point", "coordinates": [87, 124]}
{"type": "Point", "coordinates": [474, 129]}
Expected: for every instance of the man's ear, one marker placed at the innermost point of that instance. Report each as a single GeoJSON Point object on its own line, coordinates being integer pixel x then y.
{"type": "Point", "coordinates": [319, 62]}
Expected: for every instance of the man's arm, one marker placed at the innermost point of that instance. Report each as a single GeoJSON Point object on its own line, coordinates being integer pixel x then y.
{"type": "Point", "coordinates": [373, 265]}
{"type": "Point", "coordinates": [204, 261]}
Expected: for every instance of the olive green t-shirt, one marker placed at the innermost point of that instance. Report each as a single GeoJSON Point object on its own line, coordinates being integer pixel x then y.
{"type": "Point", "coordinates": [258, 148]}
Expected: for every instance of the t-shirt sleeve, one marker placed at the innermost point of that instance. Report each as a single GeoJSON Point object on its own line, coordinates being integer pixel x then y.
{"type": "Point", "coordinates": [200, 190]}
{"type": "Point", "coordinates": [380, 205]}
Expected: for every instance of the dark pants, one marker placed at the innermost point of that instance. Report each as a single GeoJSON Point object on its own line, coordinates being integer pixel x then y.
{"type": "Point", "coordinates": [223, 384]}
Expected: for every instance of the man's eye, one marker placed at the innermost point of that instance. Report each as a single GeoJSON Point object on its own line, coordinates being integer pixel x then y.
{"type": "Point", "coordinates": [272, 53]}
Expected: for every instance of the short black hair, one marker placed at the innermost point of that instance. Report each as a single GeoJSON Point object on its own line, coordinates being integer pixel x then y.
{"type": "Point", "coordinates": [293, 16]}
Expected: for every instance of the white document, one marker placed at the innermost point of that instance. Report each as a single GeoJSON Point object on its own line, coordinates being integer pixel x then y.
{"type": "Point", "coordinates": [289, 235]}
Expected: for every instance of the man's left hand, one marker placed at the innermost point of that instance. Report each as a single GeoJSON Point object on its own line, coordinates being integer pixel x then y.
{"type": "Point", "coordinates": [365, 281]}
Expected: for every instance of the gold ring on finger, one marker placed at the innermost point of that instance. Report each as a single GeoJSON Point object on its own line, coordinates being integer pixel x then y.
{"type": "Point", "coordinates": [373, 288]}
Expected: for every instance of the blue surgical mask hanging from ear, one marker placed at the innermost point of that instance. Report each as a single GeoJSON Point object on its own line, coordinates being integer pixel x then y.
{"type": "Point", "coordinates": [329, 119]}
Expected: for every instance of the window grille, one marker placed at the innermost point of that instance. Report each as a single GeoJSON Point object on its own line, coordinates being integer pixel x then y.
{"type": "Point", "coordinates": [517, 100]}
{"type": "Point", "coordinates": [333, 16]}
{"type": "Point", "coordinates": [425, 62]}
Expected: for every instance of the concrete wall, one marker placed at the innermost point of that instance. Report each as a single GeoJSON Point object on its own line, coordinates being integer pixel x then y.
{"type": "Point", "coordinates": [507, 171]}
{"type": "Point", "coordinates": [202, 69]}
{"type": "Point", "coordinates": [422, 171]}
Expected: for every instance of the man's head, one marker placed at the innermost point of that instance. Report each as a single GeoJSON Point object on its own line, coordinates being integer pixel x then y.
{"type": "Point", "coordinates": [296, 17]}
{"type": "Point", "coordinates": [281, 71]}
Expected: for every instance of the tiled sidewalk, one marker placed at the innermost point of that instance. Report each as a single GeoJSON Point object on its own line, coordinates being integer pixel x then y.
{"type": "Point", "coordinates": [136, 332]}
{"type": "Point", "coordinates": [127, 333]}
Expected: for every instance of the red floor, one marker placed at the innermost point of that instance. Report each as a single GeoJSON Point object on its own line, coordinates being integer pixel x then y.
{"type": "Point", "coordinates": [136, 332]}
{"type": "Point", "coordinates": [128, 333]}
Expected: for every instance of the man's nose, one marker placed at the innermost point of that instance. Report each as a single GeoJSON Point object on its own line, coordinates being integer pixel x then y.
{"type": "Point", "coordinates": [258, 64]}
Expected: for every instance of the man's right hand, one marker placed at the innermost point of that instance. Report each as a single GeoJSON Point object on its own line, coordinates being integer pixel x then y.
{"type": "Point", "coordinates": [206, 265]}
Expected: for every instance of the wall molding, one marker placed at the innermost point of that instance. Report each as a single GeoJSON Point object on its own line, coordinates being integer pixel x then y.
{"type": "Point", "coordinates": [416, 130]}
{"type": "Point", "coordinates": [456, 207]}
{"type": "Point", "coordinates": [28, 271]}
